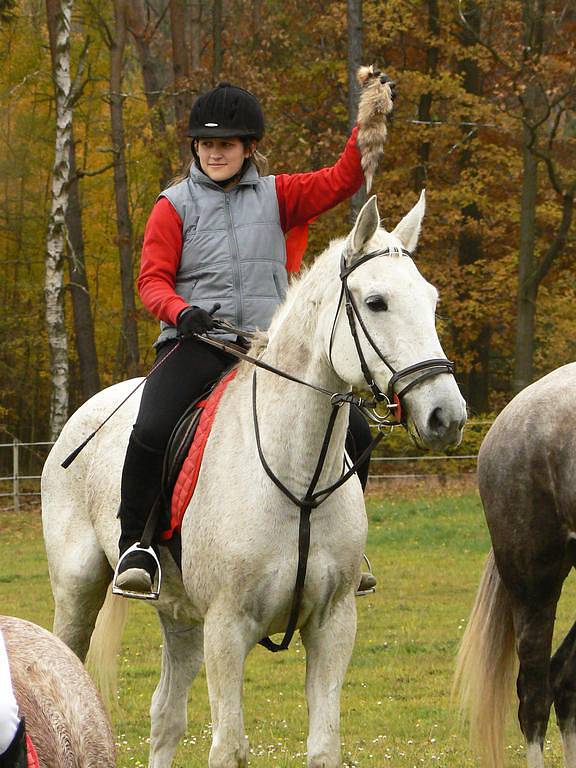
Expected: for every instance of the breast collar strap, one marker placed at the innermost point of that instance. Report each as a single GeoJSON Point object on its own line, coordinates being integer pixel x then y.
{"type": "Point", "coordinates": [426, 368]}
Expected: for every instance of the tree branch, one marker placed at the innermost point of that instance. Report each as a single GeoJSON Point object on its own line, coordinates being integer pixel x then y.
{"type": "Point", "coordinates": [561, 236]}
{"type": "Point", "coordinates": [478, 39]}
{"type": "Point", "coordinates": [78, 84]}
{"type": "Point", "coordinates": [80, 173]}
{"type": "Point", "coordinates": [104, 28]}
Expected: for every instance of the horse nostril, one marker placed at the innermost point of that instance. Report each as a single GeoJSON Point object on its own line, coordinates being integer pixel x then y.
{"type": "Point", "coordinates": [437, 422]}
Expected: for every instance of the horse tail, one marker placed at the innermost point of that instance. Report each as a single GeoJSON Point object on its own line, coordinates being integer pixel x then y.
{"type": "Point", "coordinates": [486, 667]}
{"type": "Point", "coordinates": [105, 643]}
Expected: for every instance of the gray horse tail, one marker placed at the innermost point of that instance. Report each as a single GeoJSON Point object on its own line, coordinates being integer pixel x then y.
{"type": "Point", "coordinates": [486, 667]}
{"type": "Point", "coordinates": [105, 643]}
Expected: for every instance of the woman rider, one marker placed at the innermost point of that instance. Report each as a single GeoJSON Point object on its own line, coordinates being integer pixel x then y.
{"type": "Point", "coordinates": [218, 236]}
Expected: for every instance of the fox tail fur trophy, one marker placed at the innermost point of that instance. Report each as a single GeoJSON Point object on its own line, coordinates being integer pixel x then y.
{"type": "Point", "coordinates": [376, 103]}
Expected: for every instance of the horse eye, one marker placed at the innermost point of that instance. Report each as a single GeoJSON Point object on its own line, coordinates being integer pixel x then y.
{"type": "Point", "coordinates": [377, 303]}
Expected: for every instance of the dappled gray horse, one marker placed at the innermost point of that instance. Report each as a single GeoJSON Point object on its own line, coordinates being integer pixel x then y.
{"type": "Point", "coordinates": [240, 533]}
{"type": "Point", "coordinates": [64, 715]}
{"type": "Point", "coordinates": [527, 478]}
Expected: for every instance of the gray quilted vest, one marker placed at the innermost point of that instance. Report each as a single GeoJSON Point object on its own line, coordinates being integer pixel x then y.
{"type": "Point", "coordinates": [233, 249]}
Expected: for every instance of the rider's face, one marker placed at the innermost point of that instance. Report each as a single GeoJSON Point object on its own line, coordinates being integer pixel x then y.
{"type": "Point", "coordinates": [221, 158]}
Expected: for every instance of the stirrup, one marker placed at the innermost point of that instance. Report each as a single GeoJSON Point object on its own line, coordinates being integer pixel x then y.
{"type": "Point", "coordinates": [370, 590]}
{"type": "Point", "coordinates": [154, 592]}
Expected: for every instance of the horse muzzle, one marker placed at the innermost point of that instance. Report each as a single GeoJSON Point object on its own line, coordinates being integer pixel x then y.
{"type": "Point", "coordinates": [439, 425]}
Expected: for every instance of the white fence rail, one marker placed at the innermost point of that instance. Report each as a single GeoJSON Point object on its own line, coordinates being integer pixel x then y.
{"type": "Point", "coordinates": [17, 486]}
{"type": "Point", "coordinates": [16, 483]}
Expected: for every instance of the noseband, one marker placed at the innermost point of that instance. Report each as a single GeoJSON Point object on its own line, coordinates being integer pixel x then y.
{"type": "Point", "coordinates": [426, 368]}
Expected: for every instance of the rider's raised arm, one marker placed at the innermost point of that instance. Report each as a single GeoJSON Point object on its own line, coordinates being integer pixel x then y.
{"type": "Point", "coordinates": [303, 196]}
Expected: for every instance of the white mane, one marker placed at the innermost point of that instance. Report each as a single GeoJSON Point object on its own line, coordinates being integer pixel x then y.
{"type": "Point", "coordinates": [312, 285]}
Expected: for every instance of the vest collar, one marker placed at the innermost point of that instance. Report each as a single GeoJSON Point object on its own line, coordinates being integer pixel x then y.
{"type": "Point", "coordinates": [250, 178]}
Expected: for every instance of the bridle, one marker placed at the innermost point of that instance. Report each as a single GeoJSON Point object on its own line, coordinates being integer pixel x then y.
{"type": "Point", "coordinates": [427, 368]}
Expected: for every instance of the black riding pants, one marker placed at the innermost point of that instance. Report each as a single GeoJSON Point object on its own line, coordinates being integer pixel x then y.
{"type": "Point", "coordinates": [189, 370]}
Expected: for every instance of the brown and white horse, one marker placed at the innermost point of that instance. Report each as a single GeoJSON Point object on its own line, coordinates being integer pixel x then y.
{"type": "Point", "coordinates": [527, 479]}
{"type": "Point", "coordinates": [65, 718]}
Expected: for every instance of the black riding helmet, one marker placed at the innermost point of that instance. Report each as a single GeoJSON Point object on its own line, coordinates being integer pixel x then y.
{"type": "Point", "coordinates": [226, 111]}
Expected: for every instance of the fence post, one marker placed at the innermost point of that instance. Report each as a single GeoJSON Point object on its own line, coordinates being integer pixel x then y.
{"type": "Point", "coordinates": [16, 474]}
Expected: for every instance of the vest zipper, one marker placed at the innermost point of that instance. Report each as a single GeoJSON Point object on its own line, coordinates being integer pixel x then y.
{"type": "Point", "coordinates": [235, 255]}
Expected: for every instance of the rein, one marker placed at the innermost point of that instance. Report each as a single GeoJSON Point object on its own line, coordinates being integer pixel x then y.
{"type": "Point", "coordinates": [337, 398]}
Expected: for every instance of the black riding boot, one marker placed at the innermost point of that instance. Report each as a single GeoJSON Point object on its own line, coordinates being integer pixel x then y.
{"type": "Point", "coordinates": [16, 756]}
{"type": "Point", "coordinates": [358, 439]}
{"type": "Point", "coordinates": [140, 490]}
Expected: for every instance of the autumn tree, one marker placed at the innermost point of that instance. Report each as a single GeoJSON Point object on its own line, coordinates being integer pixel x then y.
{"type": "Point", "coordinates": [457, 126]}
{"type": "Point", "coordinates": [128, 344]}
{"type": "Point", "coordinates": [7, 10]}
{"type": "Point", "coordinates": [143, 26]}
{"type": "Point", "coordinates": [531, 43]}
{"type": "Point", "coordinates": [180, 65]}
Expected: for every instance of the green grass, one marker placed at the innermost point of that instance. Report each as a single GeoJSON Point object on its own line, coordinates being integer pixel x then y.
{"type": "Point", "coordinates": [427, 551]}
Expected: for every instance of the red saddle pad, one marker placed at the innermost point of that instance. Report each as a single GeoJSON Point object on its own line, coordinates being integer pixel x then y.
{"type": "Point", "coordinates": [31, 754]}
{"type": "Point", "coordinates": [188, 477]}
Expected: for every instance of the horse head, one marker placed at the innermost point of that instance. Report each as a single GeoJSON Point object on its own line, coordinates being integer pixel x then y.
{"type": "Point", "coordinates": [382, 335]}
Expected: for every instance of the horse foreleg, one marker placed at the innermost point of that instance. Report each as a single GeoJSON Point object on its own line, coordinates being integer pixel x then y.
{"type": "Point", "coordinates": [563, 675]}
{"type": "Point", "coordinates": [329, 640]}
{"type": "Point", "coordinates": [182, 656]}
{"type": "Point", "coordinates": [227, 640]}
{"type": "Point", "coordinates": [533, 625]}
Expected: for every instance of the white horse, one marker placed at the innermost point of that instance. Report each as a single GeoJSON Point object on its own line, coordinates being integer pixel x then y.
{"type": "Point", "coordinates": [240, 533]}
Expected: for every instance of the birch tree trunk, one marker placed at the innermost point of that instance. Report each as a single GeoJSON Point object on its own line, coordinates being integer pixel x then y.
{"type": "Point", "coordinates": [355, 46]}
{"type": "Point", "coordinates": [56, 238]}
{"type": "Point", "coordinates": [83, 321]}
{"type": "Point", "coordinates": [128, 347]}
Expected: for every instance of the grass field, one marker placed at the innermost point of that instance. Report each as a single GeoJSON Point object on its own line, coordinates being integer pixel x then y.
{"type": "Point", "coordinates": [427, 549]}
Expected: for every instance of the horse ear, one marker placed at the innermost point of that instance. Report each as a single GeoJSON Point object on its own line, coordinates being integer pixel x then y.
{"type": "Point", "coordinates": [365, 227]}
{"type": "Point", "coordinates": [408, 229]}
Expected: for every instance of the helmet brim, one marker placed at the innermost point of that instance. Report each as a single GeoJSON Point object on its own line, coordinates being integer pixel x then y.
{"type": "Point", "coordinates": [216, 132]}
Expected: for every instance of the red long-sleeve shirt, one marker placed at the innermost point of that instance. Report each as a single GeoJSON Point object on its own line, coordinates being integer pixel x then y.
{"type": "Point", "coordinates": [301, 198]}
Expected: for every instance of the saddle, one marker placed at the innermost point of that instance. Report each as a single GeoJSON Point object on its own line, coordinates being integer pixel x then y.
{"type": "Point", "coordinates": [184, 454]}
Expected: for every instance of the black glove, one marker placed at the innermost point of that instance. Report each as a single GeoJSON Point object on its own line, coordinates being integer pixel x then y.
{"type": "Point", "coordinates": [193, 320]}
{"type": "Point", "coordinates": [385, 79]}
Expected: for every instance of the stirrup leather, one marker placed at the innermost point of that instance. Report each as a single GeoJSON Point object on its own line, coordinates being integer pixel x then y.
{"type": "Point", "coordinates": [371, 590]}
{"type": "Point", "coordinates": [154, 593]}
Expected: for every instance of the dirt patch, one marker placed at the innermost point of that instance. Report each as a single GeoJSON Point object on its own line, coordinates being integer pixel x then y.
{"type": "Point", "coordinates": [430, 485]}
